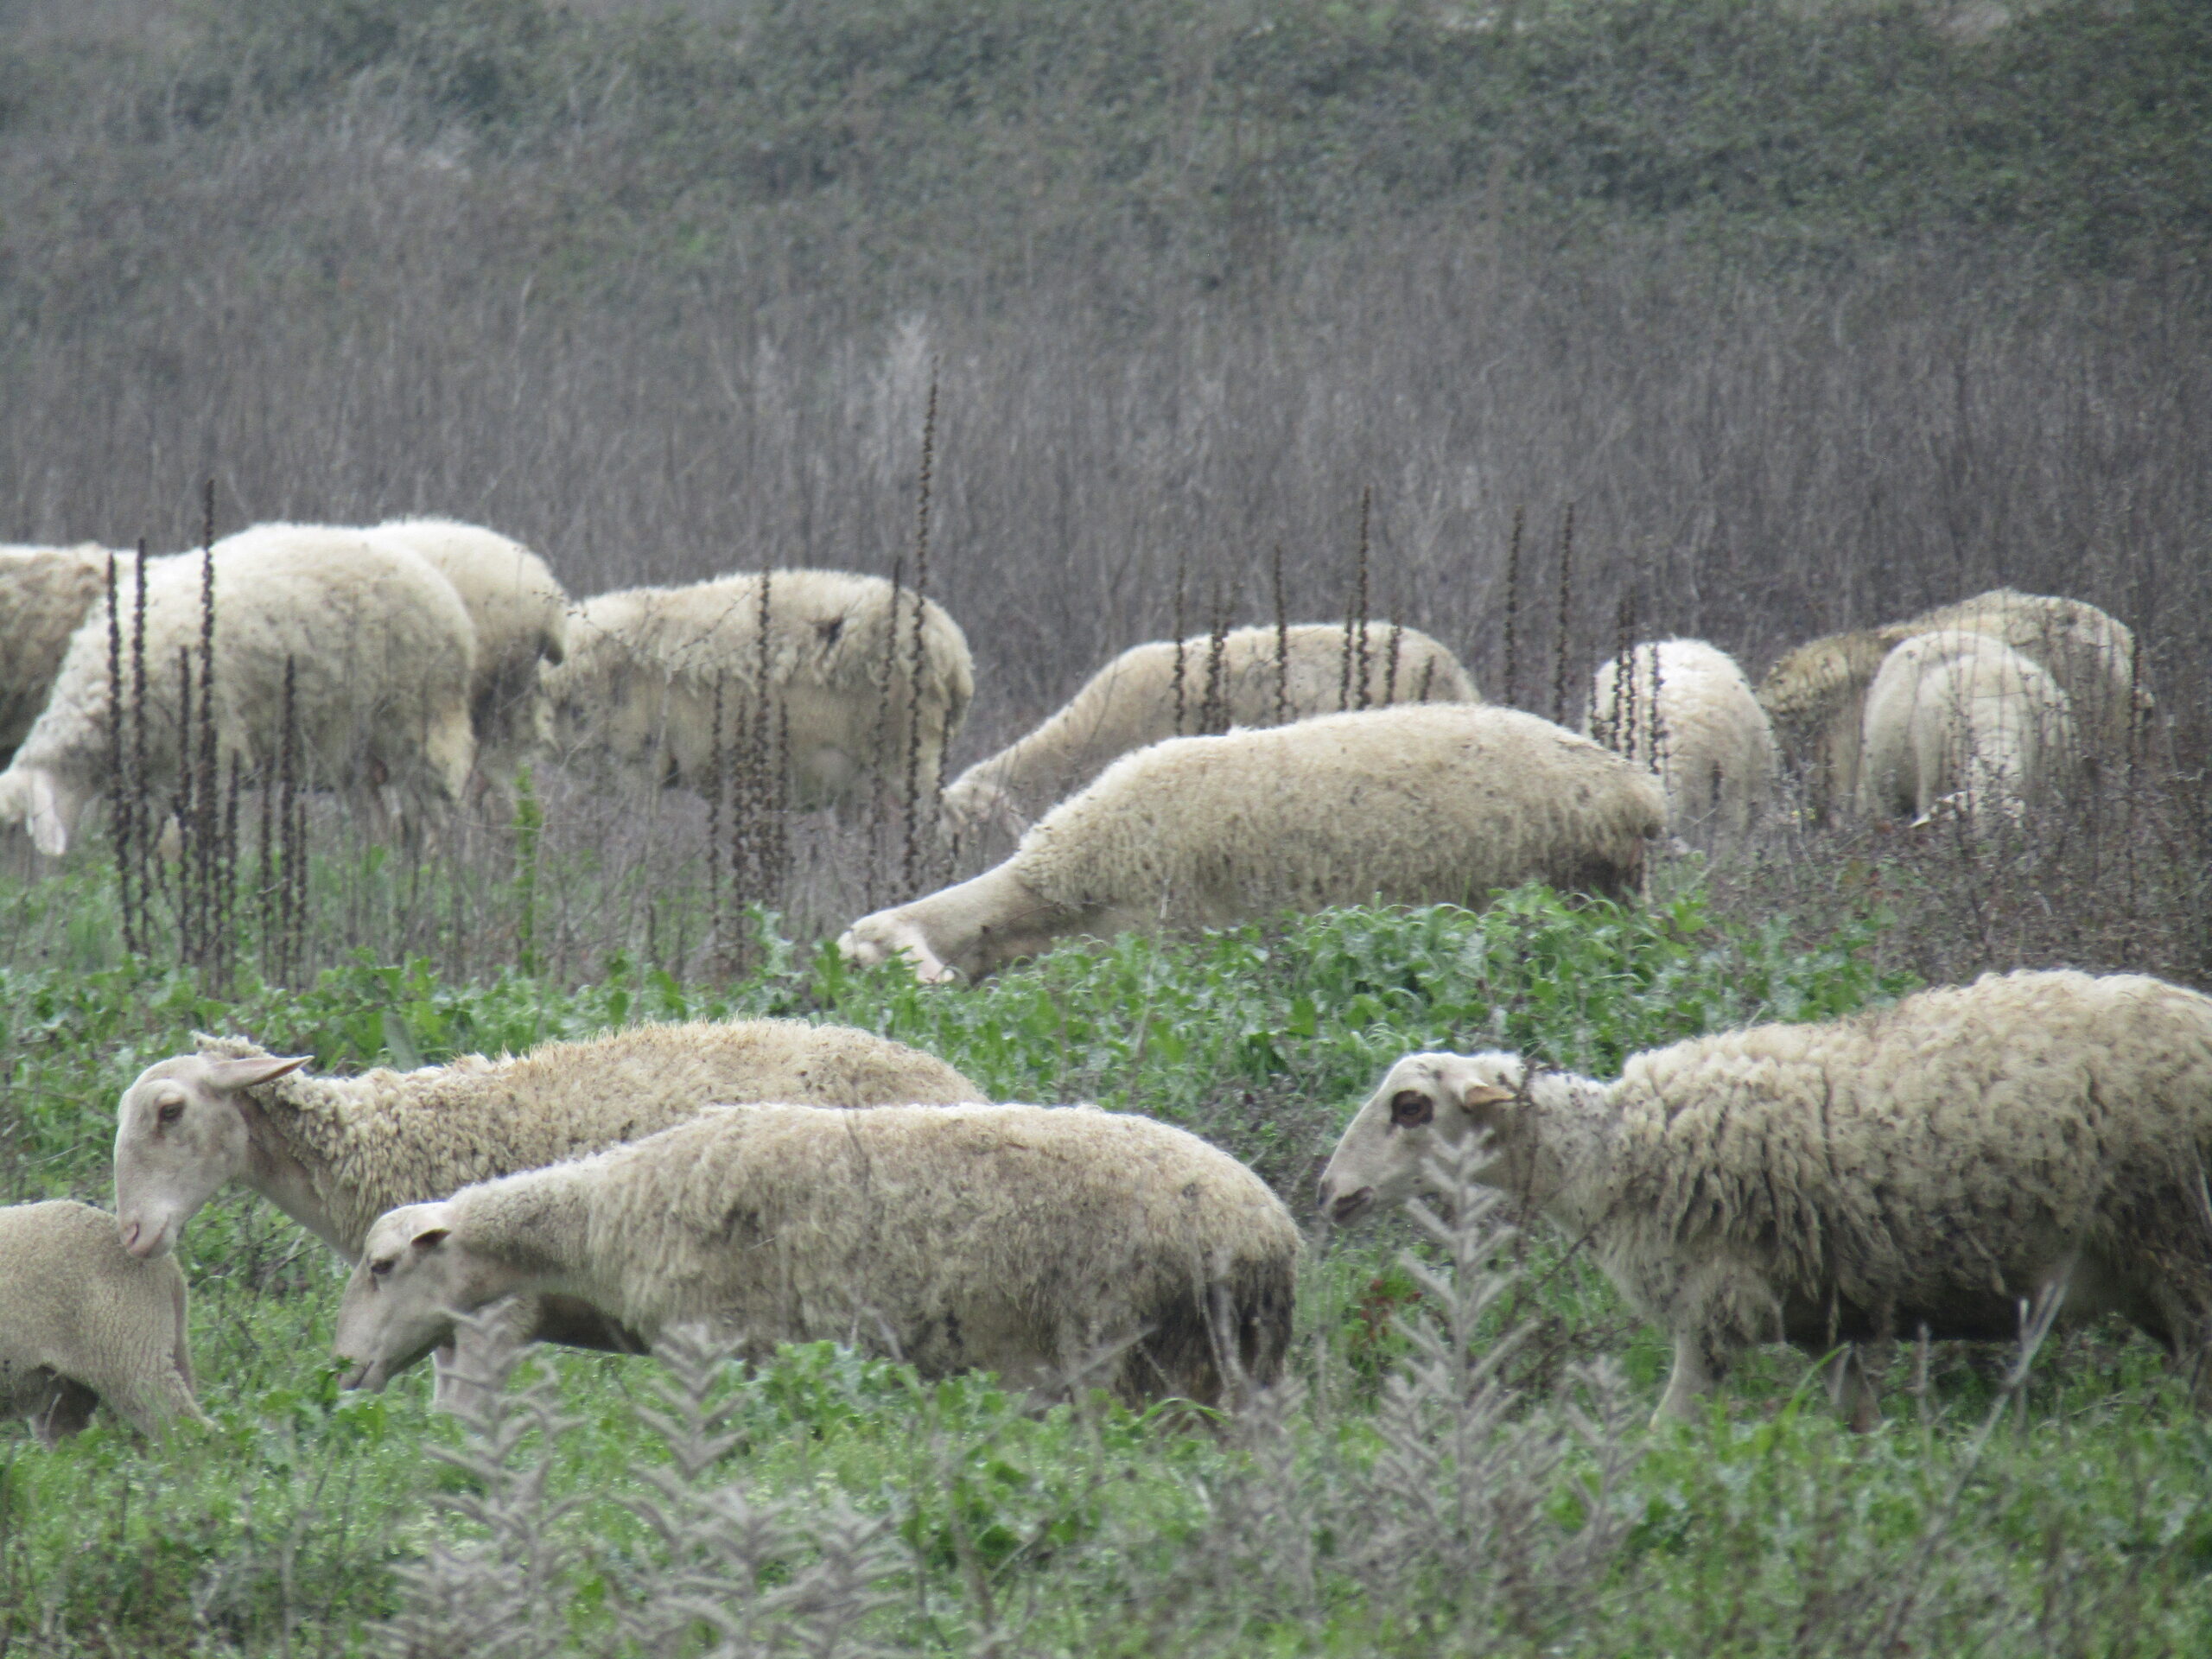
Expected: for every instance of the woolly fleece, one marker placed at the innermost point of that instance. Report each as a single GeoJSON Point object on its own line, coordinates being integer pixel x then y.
{"type": "Point", "coordinates": [1715, 748]}
{"type": "Point", "coordinates": [81, 1322]}
{"type": "Point", "coordinates": [1016, 1239]}
{"type": "Point", "coordinates": [638, 688]}
{"type": "Point", "coordinates": [1130, 702]}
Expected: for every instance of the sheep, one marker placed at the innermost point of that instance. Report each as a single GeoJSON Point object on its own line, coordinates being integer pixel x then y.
{"type": "Point", "coordinates": [638, 686]}
{"type": "Point", "coordinates": [336, 1153]}
{"type": "Point", "coordinates": [521, 618]}
{"type": "Point", "coordinates": [382, 650]}
{"type": "Point", "coordinates": [1930, 1165]}
{"type": "Point", "coordinates": [1816, 694]}
{"type": "Point", "coordinates": [1035, 1242]}
{"type": "Point", "coordinates": [1426, 804]}
{"type": "Point", "coordinates": [1135, 700]}
{"type": "Point", "coordinates": [1961, 719]}
{"type": "Point", "coordinates": [45, 593]}
{"type": "Point", "coordinates": [1687, 706]}
{"type": "Point", "coordinates": [82, 1322]}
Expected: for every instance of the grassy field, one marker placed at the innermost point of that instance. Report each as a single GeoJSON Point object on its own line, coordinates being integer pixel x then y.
{"type": "Point", "coordinates": [1460, 1464]}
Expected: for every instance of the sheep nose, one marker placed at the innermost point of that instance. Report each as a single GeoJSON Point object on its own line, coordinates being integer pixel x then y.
{"type": "Point", "coordinates": [1348, 1207]}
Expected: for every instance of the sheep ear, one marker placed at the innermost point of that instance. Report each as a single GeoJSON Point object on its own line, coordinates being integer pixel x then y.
{"type": "Point", "coordinates": [1475, 1095]}
{"type": "Point", "coordinates": [430, 1237]}
{"type": "Point", "coordinates": [231, 1075]}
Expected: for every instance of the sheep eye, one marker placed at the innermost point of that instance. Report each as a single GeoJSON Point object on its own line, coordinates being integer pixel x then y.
{"type": "Point", "coordinates": [168, 1111]}
{"type": "Point", "coordinates": [378, 1269]}
{"type": "Point", "coordinates": [1410, 1109]}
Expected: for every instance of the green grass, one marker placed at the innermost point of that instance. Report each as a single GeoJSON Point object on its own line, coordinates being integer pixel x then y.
{"type": "Point", "coordinates": [2084, 1527]}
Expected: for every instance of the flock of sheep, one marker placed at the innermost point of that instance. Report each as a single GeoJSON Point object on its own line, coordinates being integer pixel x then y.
{"type": "Point", "coordinates": [1933, 1168]}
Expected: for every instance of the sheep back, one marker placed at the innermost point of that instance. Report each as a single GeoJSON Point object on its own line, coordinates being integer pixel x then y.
{"type": "Point", "coordinates": [1932, 1161]}
{"type": "Point", "coordinates": [388, 1138]}
{"type": "Point", "coordinates": [520, 615]}
{"type": "Point", "coordinates": [382, 648]}
{"type": "Point", "coordinates": [80, 1316]}
{"type": "Point", "coordinates": [1686, 707]}
{"type": "Point", "coordinates": [1816, 694]}
{"type": "Point", "coordinates": [1427, 803]}
{"type": "Point", "coordinates": [1963, 716]}
{"type": "Point", "coordinates": [640, 684]}
{"type": "Point", "coordinates": [1019, 1239]}
{"type": "Point", "coordinates": [1132, 702]}
{"type": "Point", "coordinates": [45, 592]}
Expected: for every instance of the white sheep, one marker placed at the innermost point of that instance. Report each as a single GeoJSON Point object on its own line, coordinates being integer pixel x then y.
{"type": "Point", "coordinates": [336, 1153]}
{"type": "Point", "coordinates": [639, 685]}
{"type": "Point", "coordinates": [1935, 1165]}
{"type": "Point", "coordinates": [382, 650]}
{"type": "Point", "coordinates": [1816, 694]}
{"type": "Point", "coordinates": [1961, 719]}
{"type": "Point", "coordinates": [1426, 804]}
{"type": "Point", "coordinates": [1685, 707]}
{"type": "Point", "coordinates": [1034, 1241]}
{"type": "Point", "coordinates": [1255, 678]}
{"type": "Point", "coordinates": [521, 618]}
{"type": "Point", "coordinates": [82, 1322]}
{"type": "Point", "coordinates": [45, 592]}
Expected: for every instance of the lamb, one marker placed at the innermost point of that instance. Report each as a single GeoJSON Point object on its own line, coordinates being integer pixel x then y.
{"type": "Point", "coordinates": [45, 592]}
{"type": "Point", "coordinates": [1425, 804]}
{"type": "Point", "coordinates": [1929, 1165]}
{"type": "Point", "coordinates": [1687, 706]}
{"type": "Point", "coordinates": [1963, 720]}
{"type": "Point", "coordinates": [1816, 694]}
{"type": "Point", "coordinates": [382, 650]}
{"type": "Point", "coordinates": [336, 1153]}
{"type": "Point", "coordinates": [1134, 700]}
{"type": "Point", "coordinates": [82, 1322]}
{"type": "Point", "coordinates": [1035, 1242]}
{"type": "Point", "coordinates": [638, 688]}
{"type": "Point", "coordinates": [521, 618]}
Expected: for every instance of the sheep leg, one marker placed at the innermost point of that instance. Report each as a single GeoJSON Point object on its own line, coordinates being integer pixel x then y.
{"type": "Point", "coordinates": [64, 1410]}
{"type": "Point", "coordinates": [1695, 1374]}
{"type": "Point", "coordinates": [1850, 1386]}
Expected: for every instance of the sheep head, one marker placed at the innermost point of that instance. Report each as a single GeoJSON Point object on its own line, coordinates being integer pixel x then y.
{"type": "Point", "coordinates": [886, 934]}
{"type": "Point", "coordinates": [974, 807]}
{"type": "Point", "coordinates": [1424, 1101]}
{"type": "Point", "coordinates": [180, 1132]}
{"type": "Point", "coordinates": [400, 1303]}
{"type": "Point", "coordinates": [43, 804]}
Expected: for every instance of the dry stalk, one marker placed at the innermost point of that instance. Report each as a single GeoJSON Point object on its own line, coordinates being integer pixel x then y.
{"type": "Point", "coordinates": [1282, 643]}
{"type": "Point", "coordinates": [1359, 590]}
{"type": "Point", "coordinates": [1213, 708]}
{"type": "Point", "coordinates": [1513, 610]}
{"type": "Point", "coordinates": [1181, 577]}
{"type": "Point", "coordinates": [910, 859]}
{"type": "Point", "coordinates": [116, 749]}
{"type": "Point", "coordinates": [1566, 615]}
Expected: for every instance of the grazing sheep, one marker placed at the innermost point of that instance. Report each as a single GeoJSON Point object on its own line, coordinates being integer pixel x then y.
{"type": "Point", "coordinates": [82, 1322]}
{"type": "Point", "coordinates": [382, 648]}
{"type": "Point", "coordinates": [1023, 1239]}
{"type": "Point", "coordinates": [637, 687]}
{"type": "Point", "coordinates": [1930, 1165]}
{"type": "Point", "coordinates": [1429, 803]}
{"type": "Point", "coordinates": [1816, 694]}
{"type": "Point", "coordinates": [1133, 701]}
{"type": "Point", "coordinates": [45, 592]}
{"type": "Point", "coordinates": [1961, 719]}
{"type": "Point", "coordinates": [336, 1153]}
{"type": "Point", "coordinates": [1710, 738]}
{"type": "Point", "coordinates": [521, 618]}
